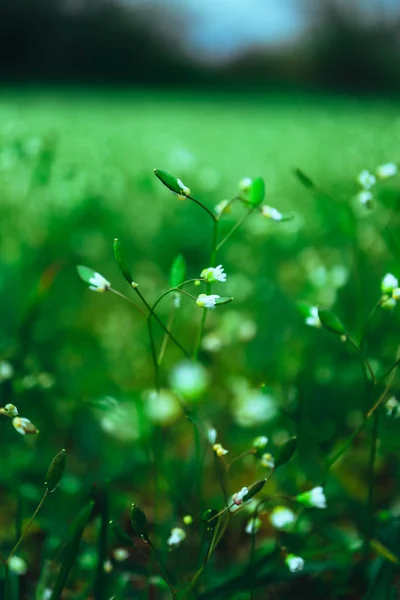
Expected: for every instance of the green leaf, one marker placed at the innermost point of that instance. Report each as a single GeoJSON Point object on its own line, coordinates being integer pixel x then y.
{"type": "Point", "coordinates": [223, 300]}
{"type": "Point", "coordinates": [55, 471]}
{"type": "Point", "coordinates": [71, 550]}
{"type": "Point", "coordinates": [304, 179]}
{"type": "Point", "coordinates": [121, 534]}
{"type": "Point", "coordinates": [256, 192]}
{"type": "Point", "coordinates": [384, 552]}
{"type": "Point", "coordinates": [286, 452]}
{"type": "Point", "coordinates": [139, 522]}
{"type": "Point", "coordinates": [331, 322]}
{"type": "Point", "coordinates": [122, 263]}
{"type": "Point", "coordinates": [304, 308]}
{"type": "Point", "coordinates": [172, 183]}
{"type": "Point", "coordinates": [85, 273]}
{"type": "Point", "coordinates": [178, 271]}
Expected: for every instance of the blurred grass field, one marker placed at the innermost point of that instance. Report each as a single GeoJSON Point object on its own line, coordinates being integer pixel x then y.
{"type": "Point", "coordinates": [76, 170]}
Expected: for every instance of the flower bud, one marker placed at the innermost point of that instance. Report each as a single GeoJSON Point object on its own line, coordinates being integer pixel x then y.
{"type": "Point", "coordinates": [24, 426]}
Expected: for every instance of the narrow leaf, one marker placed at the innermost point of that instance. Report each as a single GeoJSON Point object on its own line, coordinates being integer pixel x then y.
{"type": "Point", "coordinates": [223, 300]}
{"type": "Point", "coordinates": [122, 263]}
{"type": "Point", "coordinates": [55, 471]}
{"type": "Point", "coordinates": [139, 522]}
{"type": "Point", "coordinates": [331, 322]}
{"type": "Point", "coordinates": [286, 452]}
{"type": "Point", "coordinates": [304, 179]}
{"type": "Point", "coordinates": [121, 534]}
{"type": "Point", "coordinates": [178, 271]}
{"type": "Point", "coordinates": [172, 183]}
{"type": "Point", "coordinates": [85, 273]}
{"type": "Point", "coordinates": [256, 192]}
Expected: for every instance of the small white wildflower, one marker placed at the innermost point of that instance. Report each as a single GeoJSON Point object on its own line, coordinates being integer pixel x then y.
{"type": "Point", "coordinates": [314, 498]}
{"type": "Point", "coordinates": [245, 184]}
{"type": "Point", "coordinates": [6, 370]}
{"type": "Point", "coordinates": [222, 208]}
{"type": "Point", "coordinates": [207, 301]}
{"type": "Point", "coordinates": [253, 525]}
{"type": "Point", "coordinates": [271, 213]}
{"type": "Point", "coordinates": [162, 407]}
{"type": "Point", "coordinates": [237, 500]}
{"type": "Point", "coordinates": [219, 450]}
{"type": "Point", "coordinates": [294, 563]}
{"type": "Point", "coordinates": [212, 435]}
{"type": "Point", "coordinates": [389, 283]}
{"type": "Point", "coordinates": [177, 537]}
{"type": "Point", "coordinates": [212, 274]}
{"type": "Point", "coordinates": [24, 426]}
{"type": "Point", "coordinates": [176, 301]}
{"type": "Point", "coordinates": [260, 442]}
{"type": "Point", "coordinates": [120, 554]}
{"type": "Point", "coordinates": [281, 516]}
{"type": "Point", "coordinates": [392, 407]}
{"type": "Point", "coordinates": [212, 342]}
{"type": "Point", "coordinates": [99, 283]}
{"type": "Point", "coordinates": [365, 198]}
{"type": "Point", "coordinates": [267, 460]}
{"type": "Point", "coordinates": [313, 319]}
{"type": "Point", "coordinates": [387, 170]}
{"type": "Point", "coordinates": [366, 179]}
{"type": "Point", "coordinates": [17, 565]}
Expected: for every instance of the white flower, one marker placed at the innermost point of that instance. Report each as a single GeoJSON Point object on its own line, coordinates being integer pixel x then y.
{"type": "Point", "coordinates": [99, 283]}
{"type": "Point", "coordinates": [212, 274]}
{"type": "Point", "coordinates": [313, 498]}
{"type": "Point", "coordinates": [252, 407]}
{"type": "Point", "coordinates": [237, 500]}
{"type": "Point", "coordinates": [177, 537]}
{"type": "Point", "coordinates": [271, 213]}
{"type": "Point", "coordinates": [219, 450]}
{"type": "Point", "coordinates": [205, 301]}
{"type": "Point", "coordinates": [245, 184]}
{"type": "Point", "coordinates": [260, 442]}
{"type": "Point", "coordinates": [222, 207]}
{"type": "Point", "coordinates": [366, 179]}
{"type": "Point", "coordinates": [24, 426]}
{"type": "Point", "coordinates": [6, 370]}
{"type": "Point", "coordinates": [212, 435]}
{"type": "Point", "coordinates": [313, 319]}
{"type": "Point", "coordinates": [396, 294]}
{"type": "Point", "coordinates": [392, 407]}
{"type": "Point", "coordinates": [163, 407]}
{"type": "Point", "coordinates": [107, 566]}
{"type": "Point", "coordinates": [189, 379]}
{"type": "Point", "coordinates": [17, 565]}
{"type": "Point", "coordinates": [176, 301]}
{"type": "Point", "coordinates": [281, 516]}
{"type": "Point", "coordinates": [267, 460]}
{"type": "Point", "coordinates": [184, 189]}
{"type": "Point", "coordinates": [365, 198]}
{"type": "Point", "coordinates": [294, 563]}
{"type": "Point", "coordinates": [389, 283]}
{"type": "Point", "coordinates": [120, 554]}
{"type": "Point", "coordinates": [389, 169]}
{"type": "Point", "coordinates": [253, 525]}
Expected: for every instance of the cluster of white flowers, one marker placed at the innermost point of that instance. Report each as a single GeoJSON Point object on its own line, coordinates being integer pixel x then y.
{"type": "Point", "coordinates": [314, 498]}
{"type": "Point", "coordinates": [393, 408]}
{"type": "Point", "coordinates": [367, 180]}
{"type": "Point", "coordinates": [212, 274]}
{"type": "Point", "coordinates": [390, 291]}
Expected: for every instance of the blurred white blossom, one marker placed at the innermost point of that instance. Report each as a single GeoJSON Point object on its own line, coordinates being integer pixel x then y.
{"type": "Point", "coordinates": [387, 170]}
{"type": "Point", "coordinates": [176, 537]}
{"type": "Point", "coordinates": [99, 283]}
{"type": "Point", "coordinates": [281, 517]}
{"type": "Point", "coordinates": [294, 563]}
{"type": "Point", "coordinates": [366, 179]}
{"type": "Point", "coordinates": [253, 525]}
{"type": "Point", "coordinates": [189, 379]}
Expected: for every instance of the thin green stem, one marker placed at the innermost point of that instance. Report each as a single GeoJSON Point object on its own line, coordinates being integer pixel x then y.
{"type": "Point", "coordinates": [234, 228]}
{"type": "Point", "coordinates": [162, 570]}
{"type": "Point", "coordinates": [21, 539]}
{"type": "Point", "coordinates": [157, 318]}
{"type": "Point", "coordinates": [117, 293]}
{"type": "Point", "coordinates": [214, 218]}
{"type": "Point", "coordinates": [371, 480]}
{"type": "Point", "coordinates": [368, 323]}
{"type": "Point", "coordinates": [394, 366]}
{"type": "Point", "coordinates": [153, 355]}
{"type": "Point", "coordinates": [166, 337]}
{"type": "Point", "coordinates": [365, 360]}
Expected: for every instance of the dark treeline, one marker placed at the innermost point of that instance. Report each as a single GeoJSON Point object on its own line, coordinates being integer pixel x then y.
{"type": "Point", "coordinates": [104, 42]}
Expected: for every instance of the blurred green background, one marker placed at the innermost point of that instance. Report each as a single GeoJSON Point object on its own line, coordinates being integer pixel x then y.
{"type": "Point", "coordinates": [76, 171]}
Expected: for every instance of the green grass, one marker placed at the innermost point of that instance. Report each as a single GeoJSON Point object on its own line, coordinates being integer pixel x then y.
{"type": "Point", "coordinates": [76, 170]}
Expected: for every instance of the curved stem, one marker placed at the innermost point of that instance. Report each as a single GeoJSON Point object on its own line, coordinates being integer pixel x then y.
{"type": "Point", "coordinates": [234, 228]}
{"type": "Point", "coordinates": [162, 570]}
{"type": "Point", "coordinates": [154, 355]}
{"type": "Point", "coordinates": [368, 323]}
{"type": "Point", "coordinates": [117, 293]}
{"type": "Point", "coordinates": [21, 539]}
{"type": "Point", "coordinates": [365, 360]}
{"type": "Point", "coordinates": [208, 211]}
